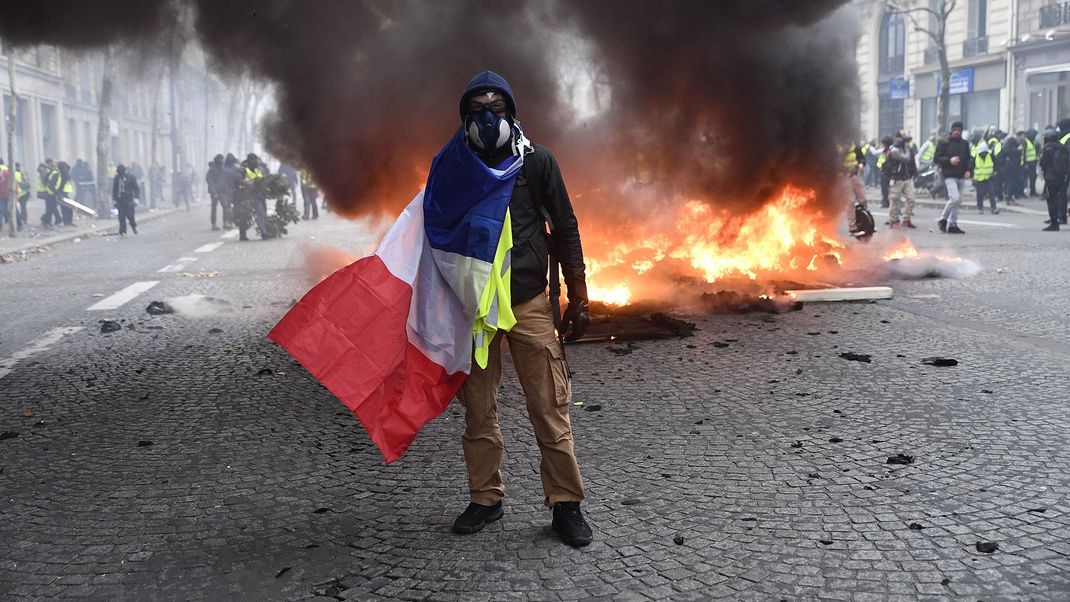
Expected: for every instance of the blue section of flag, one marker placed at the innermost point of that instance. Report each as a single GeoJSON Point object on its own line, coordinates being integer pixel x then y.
{"type": "Point", "coordinates": [465, 201]}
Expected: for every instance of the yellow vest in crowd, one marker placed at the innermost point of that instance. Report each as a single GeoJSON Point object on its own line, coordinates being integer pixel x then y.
{"type": "Point", "coordinates": [983, 167]}
{"type": "Point", "coordinates": [1030, 153]}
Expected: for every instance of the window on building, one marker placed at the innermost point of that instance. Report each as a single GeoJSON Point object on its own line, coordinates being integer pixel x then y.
{"type": "Point", "coordinates": [892, 44]}
{"type": "Point", "coordinates": [976, 28]}
{"type": "Point", "coordinates": [48, 131]}
{"type": "Point", "coordinates": [89, 139]}
{"type": "Point", "coordinates": [72, 139]}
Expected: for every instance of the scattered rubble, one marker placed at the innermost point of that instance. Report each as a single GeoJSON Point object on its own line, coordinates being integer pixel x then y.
{"type": "Point", "coordinates": [144, 443]}
{"type": "Point", "coordinates": [159, 308]}
{"type": "Point", "coordinates": [986, 547]}
{"type": "Point", "coordinates": [107, 326]}
{"type": "Point", "coordinates": [8, 435]}
{"type": "Point", "coordinates": [940, 361]}
{"type": "Point", "coordinates": [900, 459]}
{"type": "Point", "coordinates": [856, 357]}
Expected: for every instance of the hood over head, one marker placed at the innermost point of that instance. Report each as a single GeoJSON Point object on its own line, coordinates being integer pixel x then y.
{"type": "Point", "coordinates": [488, 80]}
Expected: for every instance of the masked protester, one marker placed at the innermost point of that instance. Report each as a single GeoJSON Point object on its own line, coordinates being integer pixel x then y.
{"type": "Point", "coordinates": [254, 203]}
{"type": "Point", "coordinates": [488, 112]}
{"type": "Point", "coordinates": [124, 194]}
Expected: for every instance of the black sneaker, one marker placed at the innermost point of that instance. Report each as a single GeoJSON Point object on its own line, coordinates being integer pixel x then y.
{"type": "Point", "coordinates": [1052, 228]}
{"type": "Point", "coordinates": [954, 230]}
{"type": "Point", "coordinates": [568, 522]}
{"type": "Point", "coordinates": [943, 225]}
{"type": "Point", "coordinates": [476, 516]}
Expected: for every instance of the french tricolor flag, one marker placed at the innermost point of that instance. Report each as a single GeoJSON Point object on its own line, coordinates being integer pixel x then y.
{"type": "Point", "coordinates": [393, 335]}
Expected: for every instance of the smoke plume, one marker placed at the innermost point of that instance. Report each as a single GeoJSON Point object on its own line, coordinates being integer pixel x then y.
{"type": "Point", "coordinates": [721, 100]}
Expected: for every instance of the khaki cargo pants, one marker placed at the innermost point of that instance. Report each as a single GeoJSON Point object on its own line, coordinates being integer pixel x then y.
{"type": "Point", "coordinates": [543, 375]}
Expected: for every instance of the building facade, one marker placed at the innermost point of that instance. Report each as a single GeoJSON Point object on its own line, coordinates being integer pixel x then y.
{"type": "Point", "coordinates": [58, 112]}
{"type": "Point", "coordinates": [1009, 59]}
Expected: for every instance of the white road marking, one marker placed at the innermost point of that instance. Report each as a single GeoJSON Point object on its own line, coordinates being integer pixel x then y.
{"type": "Point", "coordinates": [118, 299]}
{"type": "Point", "coordinates": [993, 224]}
{"type": "Point", "coordinates": [208, 248]}
{"type": "Point", "coordinates": [177, 266]}
{"type": "Point", "coordinates": [41, 344]}
{"type": "Point", "coordinates": [229, 234]}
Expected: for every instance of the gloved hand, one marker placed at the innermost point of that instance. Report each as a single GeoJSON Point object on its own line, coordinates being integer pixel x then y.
{"type": "Point", "coordinates": [576, 319]}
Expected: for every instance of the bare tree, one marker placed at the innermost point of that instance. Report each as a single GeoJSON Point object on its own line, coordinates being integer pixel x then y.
{"type": "Point", "coordinates": [930, 17]}
{"type": "Point", "coordinates": [12, 192]}
{"type": "Point", "coordinates": [107, 86]}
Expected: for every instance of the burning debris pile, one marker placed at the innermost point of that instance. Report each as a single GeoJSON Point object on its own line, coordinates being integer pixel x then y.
{"type": "Point", "coordinates": [698, 138]}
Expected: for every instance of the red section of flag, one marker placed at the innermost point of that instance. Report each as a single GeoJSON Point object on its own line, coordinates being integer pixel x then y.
{"type": "Point", "coordinates": [349, 332]}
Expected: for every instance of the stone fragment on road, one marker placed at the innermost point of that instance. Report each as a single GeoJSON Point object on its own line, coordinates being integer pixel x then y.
{"type": "Point", "coordinates": [903, 459]}
{"type": "Point", "coordinates": [159, 308]}
{"type": "Point", "coordinates": [856, 357]}
{"type": "Point", "coordinates": [107, 326]}
{"type": "Point", "coordinates": [986, 547]}
{"type": "Point", "coordinates": [940, 361]}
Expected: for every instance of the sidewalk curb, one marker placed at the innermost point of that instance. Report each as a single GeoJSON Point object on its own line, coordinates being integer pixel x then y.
{"type": "Point", "coordinates": [43, 244]}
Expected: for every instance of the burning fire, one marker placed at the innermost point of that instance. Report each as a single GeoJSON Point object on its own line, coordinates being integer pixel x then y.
{"type": "Point", "coordinates": [786, 238]}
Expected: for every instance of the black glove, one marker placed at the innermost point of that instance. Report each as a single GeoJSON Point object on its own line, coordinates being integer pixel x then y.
{"type": "Point", "coordinates": [575, 320]}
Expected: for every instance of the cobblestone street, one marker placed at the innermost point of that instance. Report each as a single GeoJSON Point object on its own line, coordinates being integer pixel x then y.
{"type": "Point", "coordinates": [190, 458]}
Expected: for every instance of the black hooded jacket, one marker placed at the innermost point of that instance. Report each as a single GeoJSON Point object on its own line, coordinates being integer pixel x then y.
{"type": "Point", "coordinates": [539, 195]}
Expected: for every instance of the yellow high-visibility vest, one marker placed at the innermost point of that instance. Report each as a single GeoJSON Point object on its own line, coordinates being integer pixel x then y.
{"type": "Point", "coordinates": [930, 151]}
{"type": "Point", "coordinates": [983, 167]}
{"type": "Point", "coordinates": [995, 146]}
{"type": "Point", "coordinates": [881, 159]}
{"type": "Point", "coordinates": [850, 161]}
{"type": "Point", "coordinates": [253, 174]}
{"type": "Point", "coordinates": [1030, 151]}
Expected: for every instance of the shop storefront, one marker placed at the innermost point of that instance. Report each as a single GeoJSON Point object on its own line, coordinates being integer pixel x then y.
{"type": "Point", "coordinates": [975, 96]}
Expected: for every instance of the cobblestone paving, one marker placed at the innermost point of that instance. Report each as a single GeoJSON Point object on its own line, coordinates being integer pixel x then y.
{"type": "Point", "coordinates": [158, 463]}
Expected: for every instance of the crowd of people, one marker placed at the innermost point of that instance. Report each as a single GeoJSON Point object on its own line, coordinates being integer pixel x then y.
{"type": "Point", "coordinates": [58, 183]}
{"type": "Point", "coordinates": [1002, 168]}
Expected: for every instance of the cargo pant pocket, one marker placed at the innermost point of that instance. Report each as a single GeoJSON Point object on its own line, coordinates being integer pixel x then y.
{"type": "Point", "coordinates": [559, 373]}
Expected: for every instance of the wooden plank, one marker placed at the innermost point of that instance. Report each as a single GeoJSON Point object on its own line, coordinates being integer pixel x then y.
{"type": "Point", "coordinates": [860, 293]}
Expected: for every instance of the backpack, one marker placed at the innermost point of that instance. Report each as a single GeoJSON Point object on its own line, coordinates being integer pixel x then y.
{"type": "Point", "coordinates": [5, 181]}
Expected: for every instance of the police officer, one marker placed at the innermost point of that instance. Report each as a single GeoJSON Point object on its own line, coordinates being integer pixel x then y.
{"type": "Point", "coordinates": [488, 105]}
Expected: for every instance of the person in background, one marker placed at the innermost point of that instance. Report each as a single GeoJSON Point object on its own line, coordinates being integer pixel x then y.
{"type": "Point", "coordinates": [51, 215]}
{"type": "Point", "coordinates": [984, 165]}
{"type": "Point", "coordinates": [953, 157]}
{"type": "Point", "coordinates": [23, 195]}
{"type": "Point", "coordinates": [902, 171]}
{"type": "Point", "coordinates": [1009, 165]}
{"type": "Point", "coordinates": [882, 168]}
{"type": "Point", "coordinates": [1055, 165]}
{"type": "Point", "coordinates": [124, 194]}
{"type": "Point", "coordinates": [310, 194]}
{"type": "Point", "coordinates": [289, 173]}
{"type": "Point", "coordinates": [214, 182]}
{"type": "Point", "coordinates": [1029, 161]}
{"type": "Point", "coordinates": [61, 187]}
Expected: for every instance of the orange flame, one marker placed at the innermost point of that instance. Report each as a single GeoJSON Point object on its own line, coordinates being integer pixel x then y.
{"type": "Point", "coordinates": [786, 238]}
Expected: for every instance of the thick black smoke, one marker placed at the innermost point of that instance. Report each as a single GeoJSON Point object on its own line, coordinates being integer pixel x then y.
{"type": "Point", "coordinates": [367, 91]}
{"type": "Point", "coordinates": [724, 99]}
{"type": "Point", "coordinates": [87, 24]}
{"type": "Point", "coordinates": [728, 101]}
